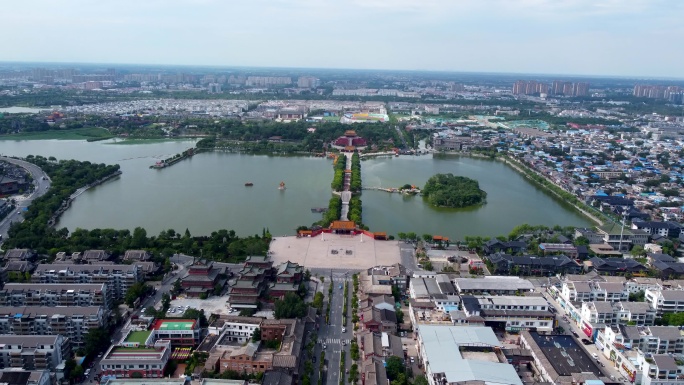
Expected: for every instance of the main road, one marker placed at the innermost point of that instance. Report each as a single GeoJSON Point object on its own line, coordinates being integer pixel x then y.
{"type": "Point", "coordinates": [331, 335]}
{"type": "Point", "coordinates": [41, 183]}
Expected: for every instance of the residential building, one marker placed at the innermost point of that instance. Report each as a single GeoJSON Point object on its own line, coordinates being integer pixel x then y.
{"type": "Point", "coordinates": [616, 266]}
{"type": "Point", "coordinates": [612, 314]}
{"type": "Point", "coordinates": [137, 255]}
{"type": "Point", "coordinates": [71, 322]}
{"type": "Point", "coordinates": [379, 320]}
{"type": "Point", "coordinates": [661, 369]}
{"type": "Point", "coordinates": [19, 255]}
{"type": "Point", "coordinates": [513, 313]}
{"type": "Point", "coordinates": [55, 294]}
{"type": "Point", "coordinates": [667, 229]}
{"type": "Point", "coordinates": [665, 301]}
{"type": "Point", "coordinates": [647, 339]}
{"type": "Point", "coordinates": [622, 238]}
{"type": "Point", "coordinates": [119, 278]}
{"type": "Point", "coordinates": [33, 352]}
{"type": "Point", "coordinates": [387, 275]}
{"type": "Point", "coordinates": [235, 328]}
{"type": "Point", "coordinates": [246, 359]}
{"type": "Point", "coordinates": [378, 345]}
{"type": "Point", "coordinates": [140, 362]}
{"type": "Point", "coordinates": [15, 376]}
{"type": "Point", "coordinates": [533, 265]}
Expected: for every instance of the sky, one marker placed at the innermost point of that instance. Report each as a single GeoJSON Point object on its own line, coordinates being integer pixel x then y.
{"type": "Point", "coordinates": [635, 38]}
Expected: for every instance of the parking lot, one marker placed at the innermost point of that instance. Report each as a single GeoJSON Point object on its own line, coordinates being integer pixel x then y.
{"type": "Point", "coordinates": [211, 305]}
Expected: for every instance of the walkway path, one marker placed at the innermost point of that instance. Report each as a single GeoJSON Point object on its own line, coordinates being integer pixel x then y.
{"type": "Point", "coordinates": [346, 193]}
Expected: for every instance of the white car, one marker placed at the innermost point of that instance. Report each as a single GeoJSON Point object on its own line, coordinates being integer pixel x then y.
{"type": "Point", "coordinates": [344, 330]}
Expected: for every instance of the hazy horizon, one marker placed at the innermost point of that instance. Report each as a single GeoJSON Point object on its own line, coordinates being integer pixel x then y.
{"type": "Point", "coordinates": [594, 38]}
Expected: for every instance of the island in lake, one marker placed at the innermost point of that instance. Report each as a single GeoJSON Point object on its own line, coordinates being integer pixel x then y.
{"type": "Point", "coordinates": [448, 190]}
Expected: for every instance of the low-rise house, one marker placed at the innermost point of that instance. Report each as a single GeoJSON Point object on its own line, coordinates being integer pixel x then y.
{"type": "Point", "coordinates": [667, 229]}
{"type": "Point", "coordinates": [379, 320]}
{"type": "Point", "coordinates": [492, 285]}
{"type": "Point", "coordinates": [19, 255]}
{"type": "Point", "coordinates": [140, 361]}
{"type": "Point", "coordinates": [137, 256]}
{"type": "Point", "coordinates": [15, 376]}
{"type": "Point", "coordinates": [246, 359]}
{"type": "Point", "coordinates": [378, 345]}
{"type": "Point", "coordinates": [235, 328]}
{"type": "Point", "coordinates": [511, 247]}
{"type": "Point", "coordinates": [617, 266]}
{"type": "Point", "coordinates": [95, 256]}
{"type": "Point", "coordinates": [534, 265]}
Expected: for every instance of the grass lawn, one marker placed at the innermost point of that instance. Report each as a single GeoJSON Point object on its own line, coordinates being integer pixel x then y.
{"type": "Point", "coordinates": [138, 336]}
{"type": "Point", "coordinates": [92, 133]}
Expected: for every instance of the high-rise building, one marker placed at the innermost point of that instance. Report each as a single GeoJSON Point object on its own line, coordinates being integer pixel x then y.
{"type": "Point", "coordinates": [308, 82]}
{"type": "Point", "coordinates": [214, 88]}
{"type": "Point", "coordinates": [580, 89]}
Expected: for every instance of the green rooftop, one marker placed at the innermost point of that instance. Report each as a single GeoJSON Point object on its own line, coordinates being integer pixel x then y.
{"type": "Point", "coordinates": [138, 336]}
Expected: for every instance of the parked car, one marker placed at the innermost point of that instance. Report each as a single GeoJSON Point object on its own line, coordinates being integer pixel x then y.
{"type": "Point", "coordinates": [574, 333]}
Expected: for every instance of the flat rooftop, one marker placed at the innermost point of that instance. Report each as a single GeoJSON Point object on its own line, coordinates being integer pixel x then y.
{"type": "Point", "coordinates": [442, 345]}
{"type": "Point", "coordinates": [335, 251]}
{"type": "Point", "coordinates": [565, 355]}
{"type": "Point", "coordinates": [174, 325]}
{"type": "Point", "coordinates": [138, 336]}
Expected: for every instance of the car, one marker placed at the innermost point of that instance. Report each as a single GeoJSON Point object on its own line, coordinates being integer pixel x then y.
{"type": "Point", "coordinates": [586, 341]}
{"type": "Point", "coordinates": [340, 286]}
{"type": "Point", "coordinates": [595, 356]}
{"type": "Point", "coordinates": [344, 330]}
{"type": "Point", "coordinates": [574, 333]}
{"type": "Point", "coordinates": [87, 373]}
{"type": "Point", "coordinates": [325, 346]}
{"type": "Point", "coordinates": [344, 343]}
{"type": "Point", "coordinates": [313, 359]}
{"type": "Point", "coordinates": [413, 359]}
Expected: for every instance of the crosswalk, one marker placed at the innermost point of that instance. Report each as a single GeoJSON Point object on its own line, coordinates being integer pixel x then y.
{"type": "Point", "coordinates": [339, 279]}
{"type": "Point", "coordinates": [336, 341]}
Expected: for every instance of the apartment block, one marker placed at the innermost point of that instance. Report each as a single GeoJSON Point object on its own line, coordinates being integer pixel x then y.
{"type": "Point", "coordinates": [513, 312]}
{"type": "Point", "coordinates": [647, 339]}
{"type": "Point", "coordinates": [55, 294]}
{"type": "Point", "coordinates": [614, 313]}
{"type": "Point", "coordinates": [665, 301]}
{"type": "Point", "coordinates": [119, 278]}
{"type": "Point", "coordinates": [39, 352]}
{"type": "Point", "coordinates": [71, 322]}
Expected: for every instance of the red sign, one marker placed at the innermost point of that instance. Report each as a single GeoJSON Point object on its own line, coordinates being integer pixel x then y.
{"type": "Point", "coordinates": [630, 373]}
{"type": "Point", "coordinates": [587, 329]}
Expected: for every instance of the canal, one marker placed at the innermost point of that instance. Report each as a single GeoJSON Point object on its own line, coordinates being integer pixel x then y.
{"type": "Point", "coordinates": [208, 192]}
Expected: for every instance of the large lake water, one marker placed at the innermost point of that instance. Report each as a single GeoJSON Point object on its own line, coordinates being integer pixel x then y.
{"type": "Point", "coordinates": [207, 192]}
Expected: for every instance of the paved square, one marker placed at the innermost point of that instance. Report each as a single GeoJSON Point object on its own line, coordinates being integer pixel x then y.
{"type": "Point", "coordinates": [334, 251]}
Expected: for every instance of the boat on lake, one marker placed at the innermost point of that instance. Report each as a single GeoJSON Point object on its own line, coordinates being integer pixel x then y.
{"type": "Point", "coordinates": [282, 186]}
{"type": "Point", "coordinates": [249, 184]}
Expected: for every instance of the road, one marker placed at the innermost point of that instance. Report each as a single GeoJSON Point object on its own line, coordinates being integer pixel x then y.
{"type": "Point", "coordinates": [569, 327]}
{"type": "Point", "coordinates": [41, 186]}
{"type": "Point", "coordinates": [332, 335]}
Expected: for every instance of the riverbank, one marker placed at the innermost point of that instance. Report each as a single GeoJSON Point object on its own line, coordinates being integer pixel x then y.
{"type": "Point", "coordinates": [67, 203]}
{"type": "Point", "coordinates": [89, 134]}
{"type": "Point", "coordinates": [525, 170]}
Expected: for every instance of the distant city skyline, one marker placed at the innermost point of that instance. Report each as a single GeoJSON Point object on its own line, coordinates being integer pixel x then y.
{"type": "Point", "coordinates": [622, 38]}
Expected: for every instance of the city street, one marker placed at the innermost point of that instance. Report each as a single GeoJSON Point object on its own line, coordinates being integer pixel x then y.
{"type": "Point", "coordinates": [569, 327]}
{"type": "Point", "coordinates": [41, 186]}
{"type": "Point", "coordinates": [332, 335]}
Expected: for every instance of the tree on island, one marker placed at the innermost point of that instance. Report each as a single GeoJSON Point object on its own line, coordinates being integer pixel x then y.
{"type": "Point", "coordinates": [448, 190]}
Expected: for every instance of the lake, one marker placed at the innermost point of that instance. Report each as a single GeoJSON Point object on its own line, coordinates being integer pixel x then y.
{"type": "Point", "coordinates": [207, 192]}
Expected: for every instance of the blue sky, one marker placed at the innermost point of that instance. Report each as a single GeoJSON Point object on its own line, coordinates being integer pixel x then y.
{"type": "Point", "coordinates": [590, 37]}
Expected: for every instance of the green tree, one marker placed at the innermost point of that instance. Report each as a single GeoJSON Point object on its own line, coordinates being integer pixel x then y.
{"type": "Point", "coordinates": [291, 306]}
{"type": "Point", "coordinates": [96, 340]}
{"type": "Point", "coordinates": [420, 380]}
{"type": "Point", "coordinates": [137, 290]}
{"type": "Point", "coordinates": [318, 301]}
{"type": "Point", "coordinates": [394, 367]}
{"type": "Point", "coordinates": [256, 336]}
